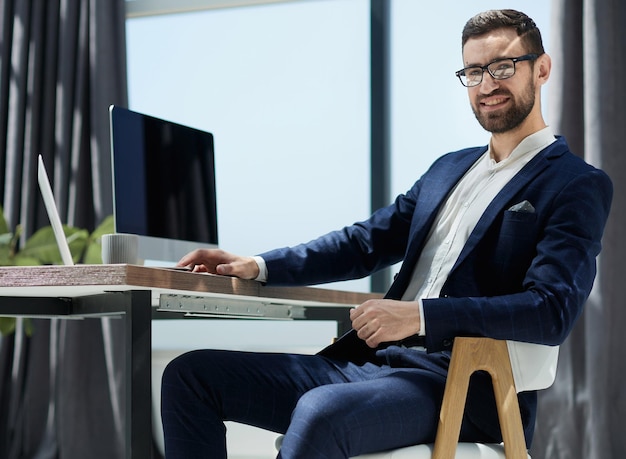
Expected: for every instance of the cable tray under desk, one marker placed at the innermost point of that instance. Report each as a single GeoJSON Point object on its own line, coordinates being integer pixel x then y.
{"type": "Point", "coordinates": [229, 307]}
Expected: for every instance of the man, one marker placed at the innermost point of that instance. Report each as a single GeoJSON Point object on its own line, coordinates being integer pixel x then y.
{"type": "Point", "coordinates": [498, 241]}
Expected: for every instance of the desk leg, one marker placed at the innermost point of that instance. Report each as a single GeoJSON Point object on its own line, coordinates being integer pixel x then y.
{"type": "Point", "coordinates": [138, 309]}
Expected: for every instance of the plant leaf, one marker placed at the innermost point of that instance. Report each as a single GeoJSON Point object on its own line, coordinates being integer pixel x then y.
{"type": "Point", "coordinates": [4, 227]}
{"type": "Point", "coordinates": [5, 250]}
{"type": "Point", "coordinates": [93, 252]}
{"type": "Point", "coordinates": [28, 326]}
{"type": "Point", "coordinates": [23, 260]}
{"type": "Point", "coordinates": [6, 238]}
{"type": "Point", "coordinates": [43, 247]}
{"type": "Point", "coordinates": [106, 227]}
{"type": "Point", "coordinates": [7, 325]}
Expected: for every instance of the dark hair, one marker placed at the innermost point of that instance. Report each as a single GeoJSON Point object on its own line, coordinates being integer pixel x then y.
{"type": "Point", "coordinates": [492, 20]}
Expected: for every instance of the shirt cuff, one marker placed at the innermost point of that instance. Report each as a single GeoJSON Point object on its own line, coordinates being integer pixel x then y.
{"type": "Point", "coordinates": [262, 277]}
{"type": "Point", "coordinates": [422, 331]}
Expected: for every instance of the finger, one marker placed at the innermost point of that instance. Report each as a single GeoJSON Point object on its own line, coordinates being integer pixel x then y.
{"type": "Point", "coordinates": [373, 341]}
{"type": "Point", "coordinates": [359, 317]}
{"type": "Point", "coordinates": [368, 333]}
{"type": "Point", "coordinates": [184, 262]}
{"type": "Point", "coordinates": [191, 258]}
{"type": "Point", "coordinates": [363, 333]}
{"type": "Point", "coordinates": [242, 267]}
{"type": "Point", "coordinates": [225, 269]}
{"type": "Point", "coordinates": [358, 323]}
{"type": "Point", "coordinates": [365, 329]}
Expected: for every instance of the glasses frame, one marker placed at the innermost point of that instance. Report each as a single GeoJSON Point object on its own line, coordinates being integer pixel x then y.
{"type": "Point", "coordinates": [525, 57]}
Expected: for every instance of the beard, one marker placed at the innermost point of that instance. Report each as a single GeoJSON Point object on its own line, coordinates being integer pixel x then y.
{"type": "Point", "coordinates": [499, 122]}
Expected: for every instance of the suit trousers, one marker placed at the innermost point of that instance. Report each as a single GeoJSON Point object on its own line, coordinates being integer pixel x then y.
{"type": "Point", "coordinates": [326, 408]}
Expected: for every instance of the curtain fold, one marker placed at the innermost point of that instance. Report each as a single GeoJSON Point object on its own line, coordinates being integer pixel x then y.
{"type": "Point", "coordinates": [581, 416]}
{"type": "Point", "coordinates": [62, 63]}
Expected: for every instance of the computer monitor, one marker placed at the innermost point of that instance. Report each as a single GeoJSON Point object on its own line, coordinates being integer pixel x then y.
{"type": "Point", "coordinates": [163, 185]}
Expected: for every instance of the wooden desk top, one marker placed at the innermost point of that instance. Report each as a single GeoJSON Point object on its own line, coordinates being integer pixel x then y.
{"type": "Point", "coordinates": [79, 280]}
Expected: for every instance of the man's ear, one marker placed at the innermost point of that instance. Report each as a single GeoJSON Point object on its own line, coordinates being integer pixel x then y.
{"type": "Point", "coordinates": [543, 67]}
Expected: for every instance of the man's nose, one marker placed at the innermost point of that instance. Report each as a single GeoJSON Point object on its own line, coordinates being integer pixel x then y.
{"type": "Point", "coordinates": [488, 84]}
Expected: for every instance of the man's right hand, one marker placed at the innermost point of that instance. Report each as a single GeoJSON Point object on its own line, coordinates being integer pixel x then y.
{"type": "Point", "coordinates": [216, 261]}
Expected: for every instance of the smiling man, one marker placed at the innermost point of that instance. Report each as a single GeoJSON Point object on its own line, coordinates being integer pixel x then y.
{"type": "Point", "coordinates": [498, 241]}
{"type": "Point", "coordinates": [510, 110]}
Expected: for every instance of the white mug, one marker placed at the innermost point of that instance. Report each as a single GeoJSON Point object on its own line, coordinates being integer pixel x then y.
{"type": "Point", "coordinates": [120, 248]}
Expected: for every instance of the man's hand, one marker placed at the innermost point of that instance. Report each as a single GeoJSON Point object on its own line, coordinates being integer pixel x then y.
{"type": "Point", "coordinates": [217, 261]}
{"type": "Point", "coordinates": [381, 321]}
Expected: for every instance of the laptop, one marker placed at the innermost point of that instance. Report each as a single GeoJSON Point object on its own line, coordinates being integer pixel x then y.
{"type": "Point", "coordinates": [53, 213]}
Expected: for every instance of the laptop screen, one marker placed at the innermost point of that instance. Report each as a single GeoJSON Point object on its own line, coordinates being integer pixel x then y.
{"type": "Point", "coordinates": [163, 181]}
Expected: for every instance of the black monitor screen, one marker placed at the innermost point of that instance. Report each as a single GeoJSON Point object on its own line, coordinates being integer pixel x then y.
{"type": "Point", "coordinates": [163, 178]}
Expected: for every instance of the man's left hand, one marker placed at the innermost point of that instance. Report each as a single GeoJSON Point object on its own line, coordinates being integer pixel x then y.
{"type": "Point", "coordinates": [380, 321]}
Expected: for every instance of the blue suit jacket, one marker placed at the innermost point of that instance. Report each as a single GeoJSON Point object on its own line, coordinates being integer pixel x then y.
{"type": "Point", "coordinates": [522, 276]}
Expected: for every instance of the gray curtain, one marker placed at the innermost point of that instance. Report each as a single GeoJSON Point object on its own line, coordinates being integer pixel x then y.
{"type": "Point", "coordinates": [62, 64]}
{"type": "Point", "coordinates": [582, 415]}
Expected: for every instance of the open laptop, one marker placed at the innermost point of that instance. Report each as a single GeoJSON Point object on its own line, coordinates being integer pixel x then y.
{"type": "Point", "coordinates": [53, 213]}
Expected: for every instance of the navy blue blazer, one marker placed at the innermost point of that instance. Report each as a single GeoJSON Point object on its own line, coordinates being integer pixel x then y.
{"type": "Point", "coordinates": [521, 276]}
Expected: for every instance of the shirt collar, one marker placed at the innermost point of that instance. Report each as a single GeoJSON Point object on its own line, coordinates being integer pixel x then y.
{"type": "Point", "coordinates": [527, 148]}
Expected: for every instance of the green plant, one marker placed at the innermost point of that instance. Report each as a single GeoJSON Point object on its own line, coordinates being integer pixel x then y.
{"type": "Point", "coordinates": [41, 249]}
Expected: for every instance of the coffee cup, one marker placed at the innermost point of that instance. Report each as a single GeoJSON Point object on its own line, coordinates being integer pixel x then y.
{"type": "Point", "coordinates": [120, 248]}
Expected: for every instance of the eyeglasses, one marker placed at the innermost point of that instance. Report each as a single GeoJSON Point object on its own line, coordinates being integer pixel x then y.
{"type": "Point", "coordinates": [500, 69]}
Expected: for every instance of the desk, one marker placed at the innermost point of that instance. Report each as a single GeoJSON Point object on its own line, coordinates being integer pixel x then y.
{"type": "Point", "coordinates": [139, 293]}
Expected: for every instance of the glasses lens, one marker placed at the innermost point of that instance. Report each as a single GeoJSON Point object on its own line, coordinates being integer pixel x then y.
{"type": "Point", "coordinates": [472, 76]}
{"type": "Point", "coordinates": [503, 69]}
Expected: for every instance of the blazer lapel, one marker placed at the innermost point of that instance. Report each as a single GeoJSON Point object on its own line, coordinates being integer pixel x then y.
{"type": "Point", "coordinates": [435, 187]}
{"type": "Point", "coordinates": [514, 186]}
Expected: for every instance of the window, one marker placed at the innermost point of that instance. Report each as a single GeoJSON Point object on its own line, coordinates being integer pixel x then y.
{"type": "Point", "coordinates": [284, 88]}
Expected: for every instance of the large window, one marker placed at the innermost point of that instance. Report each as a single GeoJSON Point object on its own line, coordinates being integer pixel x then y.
{"type": "Point", "coordinates": [285, 90]}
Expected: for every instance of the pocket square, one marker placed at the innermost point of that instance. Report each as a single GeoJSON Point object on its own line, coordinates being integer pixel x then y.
{"type": "Point", "coordinates": [523, 206]}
